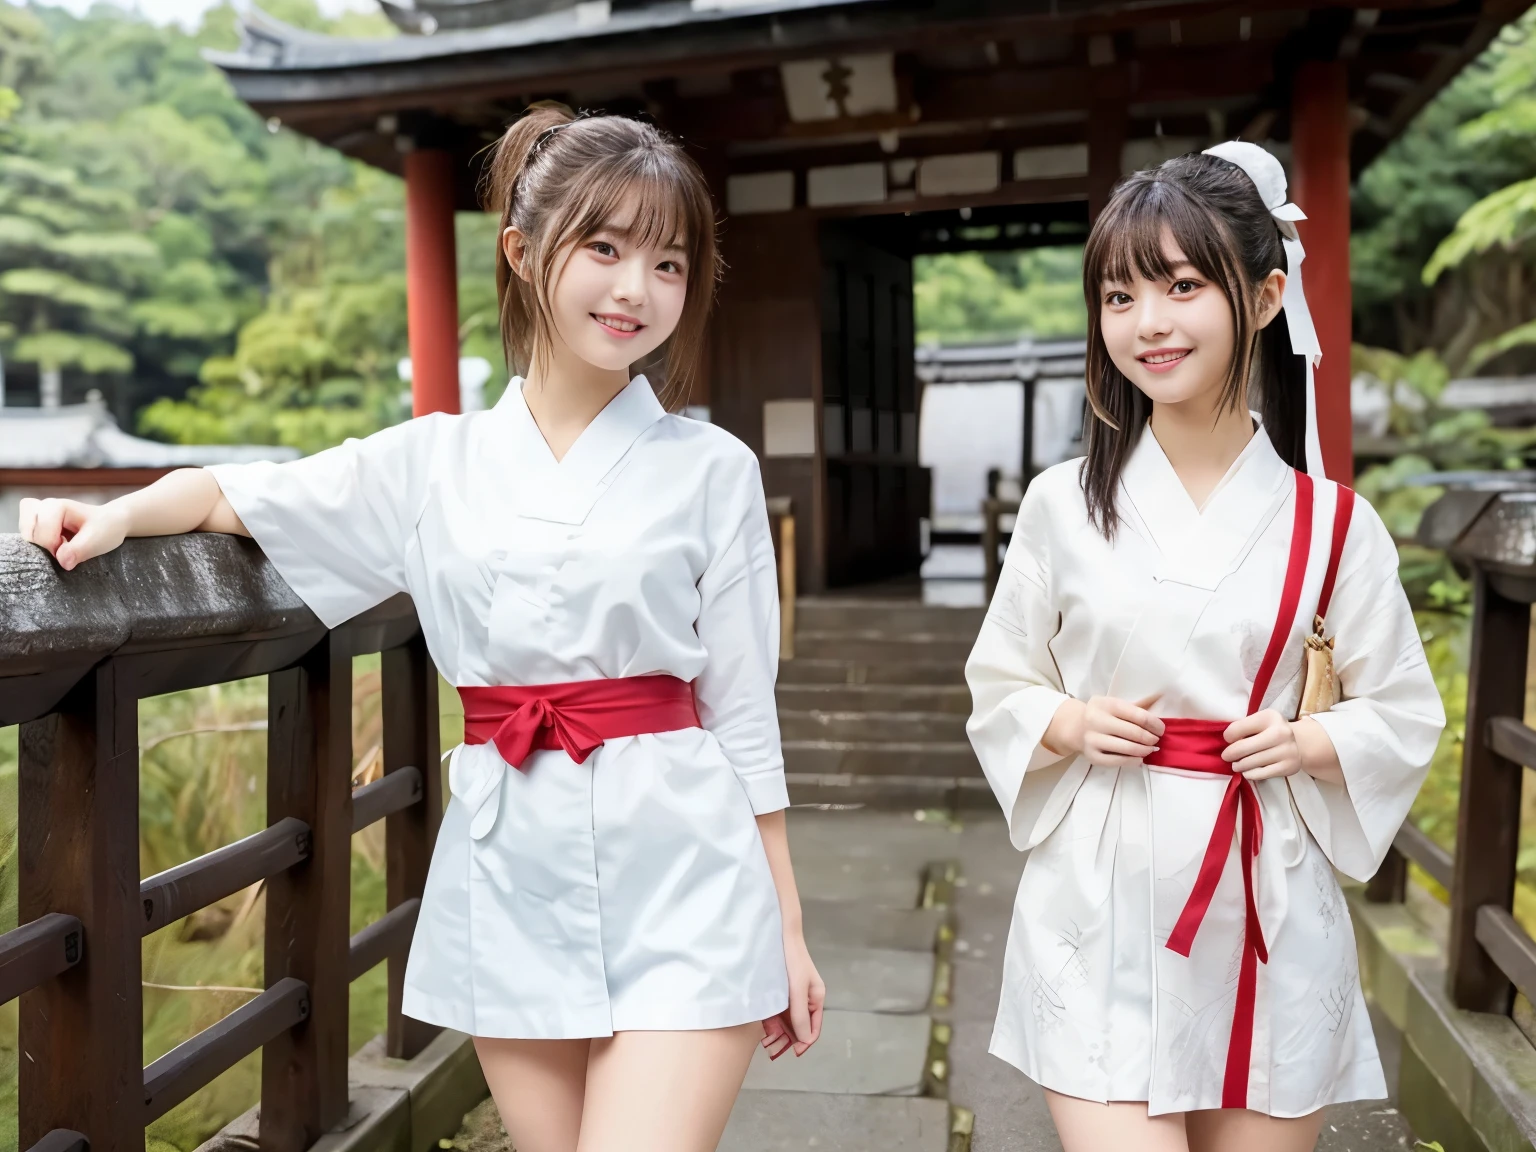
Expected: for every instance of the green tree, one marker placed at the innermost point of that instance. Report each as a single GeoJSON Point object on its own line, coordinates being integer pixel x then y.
{"type": "Point", "coordinates": [1441, 262]}
{"type": "Point", "coordinates": [999, 295]}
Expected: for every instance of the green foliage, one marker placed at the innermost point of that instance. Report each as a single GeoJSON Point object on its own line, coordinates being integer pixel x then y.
{"type": "Point", "coordinates": [1434, 437]}
{"type": "Point", "coordinates": [1446, 638]}
{"type": "Point", "coordinates": [972, 296]}
{"type": "Point", "coordinates": [1408, 295]}
{"type": "Point", "coordinates": [152, 224]}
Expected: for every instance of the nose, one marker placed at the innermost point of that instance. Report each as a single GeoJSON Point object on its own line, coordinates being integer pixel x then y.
{"type": "Point", "coordinates": [1153, 321]}
{"type": "Point", "coordinates": [629, 284]}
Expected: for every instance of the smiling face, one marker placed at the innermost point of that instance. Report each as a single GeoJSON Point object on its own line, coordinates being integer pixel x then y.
{"type": "Point", "coordinates": [1172, 337]}
{"type": "Point", "coordinates": [617, 295]}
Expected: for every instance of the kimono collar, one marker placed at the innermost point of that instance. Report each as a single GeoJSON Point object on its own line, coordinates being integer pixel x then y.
{"type": "Point", "coordinates": [1201, 545]}
{"type": "Point", "coordinates": [563, 491]}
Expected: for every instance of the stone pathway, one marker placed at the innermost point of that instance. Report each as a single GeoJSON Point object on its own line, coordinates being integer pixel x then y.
{"type": "Point", "coordinates": [902, 1064]}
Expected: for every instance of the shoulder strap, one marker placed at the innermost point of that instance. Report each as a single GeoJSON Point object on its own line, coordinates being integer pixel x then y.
{"type": "Point", "coordinates": [1290, 594]}
{"type": "Point", "coordinates": [1343, 509]}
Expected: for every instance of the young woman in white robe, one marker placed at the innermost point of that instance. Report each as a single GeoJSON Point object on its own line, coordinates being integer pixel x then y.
{"type": "Point", "coordinates": [1145, 596]}
{"type": "Point", "coordinates": [615, 920]}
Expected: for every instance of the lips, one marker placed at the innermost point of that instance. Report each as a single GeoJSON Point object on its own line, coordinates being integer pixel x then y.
{"type": "Point", "coordinates": [618, 325]}
{"type": "Point", "coordinates": [1164, 359]}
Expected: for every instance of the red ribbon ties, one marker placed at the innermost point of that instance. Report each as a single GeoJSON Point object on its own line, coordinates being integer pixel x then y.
{"type": "Point", "coordinates": [1196, 746]}
{"type": "Point", "coordinates": [575, 717]}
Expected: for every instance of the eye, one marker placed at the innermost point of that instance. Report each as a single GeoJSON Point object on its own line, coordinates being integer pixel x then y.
{"type": "Point", "coordinates": [1117, 299]}
{"type": "Point", "coordinates": [603, 248]}
{"type": "Point", "coordinates": [671, 266]}
{"type": "Point", "coordinates": [1184, 287]}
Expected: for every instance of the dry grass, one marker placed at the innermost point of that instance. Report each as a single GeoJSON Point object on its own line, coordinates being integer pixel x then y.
{"type": "Point", "coordinates": [202, 784]}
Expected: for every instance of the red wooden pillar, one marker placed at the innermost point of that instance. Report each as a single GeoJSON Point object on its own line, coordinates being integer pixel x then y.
{"type": "Point", "coordinates": [432, 281]}
{"type": "Point", "coordinates": [1320, 185]}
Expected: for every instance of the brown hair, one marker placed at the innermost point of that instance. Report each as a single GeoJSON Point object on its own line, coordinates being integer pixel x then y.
{"type": "Point", "coordinates": [1217, 219]}
{"type": "Point", "coordinates": [559, 178]}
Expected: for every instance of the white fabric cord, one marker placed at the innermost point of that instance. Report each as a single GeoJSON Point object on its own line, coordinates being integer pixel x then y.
{"type": "Point", "coordinates": [1269, 178]}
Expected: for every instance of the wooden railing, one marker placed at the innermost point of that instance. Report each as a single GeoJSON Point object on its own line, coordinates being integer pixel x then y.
{"type": "Point", "coordinates": [78, 652]}
{"type": "Point", "coordinates": [1493, 538]}
{"type": "Point", "coordinates": [781, 520]}
{"type": "Point", "coordinates": [992, 537]}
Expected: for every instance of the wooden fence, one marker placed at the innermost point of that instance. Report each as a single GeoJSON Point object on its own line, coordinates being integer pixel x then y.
{"type": "Point", "coordinates": [77, 654]}
{"type": "Point", "coordinates": [1492, 537]}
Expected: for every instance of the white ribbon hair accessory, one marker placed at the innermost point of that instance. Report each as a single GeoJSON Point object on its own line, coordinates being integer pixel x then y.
{"type": "Point", "coordinates": [1269, 178]}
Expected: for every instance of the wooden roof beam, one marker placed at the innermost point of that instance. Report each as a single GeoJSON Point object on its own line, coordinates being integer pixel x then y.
{"type": "Point", "coordinates": [938, 98]}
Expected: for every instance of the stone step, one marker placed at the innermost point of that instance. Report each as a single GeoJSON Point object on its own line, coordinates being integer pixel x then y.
{"type": "Point", "coordinates": [767, 1121]}
{"type": "Point", "coordinates": [830, 613]}
{"type": "Point", "coordinates": [888, 671]}
{"type": "Point", "coordinates": [875, 979]}
{"type": "Point", "coordinates": [867, 1053]}
{"type": "Point", "coordinates": [906, 727]}
{"type": "Point", "coordinates": [849, 644]}
{"type": "Point", "coordinates": [878, 881]}
{"type": "Point", "coordinates": [834, 923]}
{"type": "Point", "coordinates": [954, 699]}
{"type": "Point", "coordinates": [890, 793]}
{"type": "Point", "coordinates": [881, 757]}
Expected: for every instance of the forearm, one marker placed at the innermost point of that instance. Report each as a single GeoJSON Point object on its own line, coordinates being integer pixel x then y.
{"type": "Point", "coordinates": [186, 500]}
{"type": "Point", "coordinates": [1064, 734]}
{"type": "Point", "coordinates": [775, 834]}
{"type": "Point", "coordinates": [1319, 758]}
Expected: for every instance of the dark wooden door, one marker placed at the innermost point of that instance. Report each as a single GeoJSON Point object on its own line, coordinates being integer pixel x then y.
{"type": "Point", "coordinates": [876, 494]}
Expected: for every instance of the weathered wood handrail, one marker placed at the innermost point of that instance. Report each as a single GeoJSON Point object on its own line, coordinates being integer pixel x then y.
{"type": "Point", "coordinates": [78, 651]}
{"type": "Point", "coordinates": [1492, 537]}
{"type": "Point", "coordinates": [992, 512]}
{"type": "Point", "coordinates": [781, 520]}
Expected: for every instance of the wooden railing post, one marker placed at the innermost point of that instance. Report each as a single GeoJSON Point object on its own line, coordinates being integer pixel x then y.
{"type": "Point", "coordinates": [1488, 821]}
{"type": "Point", "coordinates": [309, 760]}
{"type": "Point", "coordinates": [992, 510]}
{"type": "Point", "coordinates": [410, 712]}
{"type": "Point", "coordinates": [781, 524]}
{"type": "Point", "coordinates": [81, 1034]}
{"type": "Point", "coordinates": [1390, 884]}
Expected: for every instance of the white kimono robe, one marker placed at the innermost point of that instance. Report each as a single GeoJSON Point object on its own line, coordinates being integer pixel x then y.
{"type": "Point", "coordinates": [630, 891]}
{"type": "Point", "coordinates": [1181, 605]}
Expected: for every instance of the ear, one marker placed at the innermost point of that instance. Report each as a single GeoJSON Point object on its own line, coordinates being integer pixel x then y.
{"type": "Point", "coordinates": [1270, 296]}
{"type": "Point", "coordinates": [514, 246]}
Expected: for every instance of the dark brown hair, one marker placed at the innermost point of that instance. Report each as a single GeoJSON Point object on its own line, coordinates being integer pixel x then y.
{"type": "Point", "coordinates": [1217, 219]}
{"type": "Point", "coordinates": [559, 178]}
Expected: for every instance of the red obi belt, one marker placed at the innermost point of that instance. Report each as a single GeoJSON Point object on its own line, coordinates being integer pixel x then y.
{"type": "Point", "coordinates": [1197, 745]}
{"type": "Point", "coordinates": [576, 717]}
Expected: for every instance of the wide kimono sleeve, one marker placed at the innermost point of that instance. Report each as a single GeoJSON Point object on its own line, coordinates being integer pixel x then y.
{"type": "Point", "coordinates": [336, 524]}
{"type": "Point", "coordinates": [1015, 685]}
{"type": "Point", "coordinates": [1389, 719]}
{"type": "Point", "coordinates": [738, 625]}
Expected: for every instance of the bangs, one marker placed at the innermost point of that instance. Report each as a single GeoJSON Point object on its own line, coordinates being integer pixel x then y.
{"type": "Point", "coordinates": [1134, 243]}
{"type": "Point", "coordinates": [658, 210]}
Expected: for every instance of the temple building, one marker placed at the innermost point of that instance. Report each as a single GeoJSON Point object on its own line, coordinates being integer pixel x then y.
{"type": "Point", "coordinates": [844, 137]}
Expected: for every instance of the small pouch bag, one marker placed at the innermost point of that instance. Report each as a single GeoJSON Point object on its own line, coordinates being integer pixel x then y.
{"type": "Point", "coordinates": [1320, 689]}
{"type": "Point", "coordinates": [1319, 685]}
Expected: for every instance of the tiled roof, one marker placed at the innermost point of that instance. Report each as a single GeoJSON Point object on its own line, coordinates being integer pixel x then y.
{"type": "Point", "coordinates": [86, 436]}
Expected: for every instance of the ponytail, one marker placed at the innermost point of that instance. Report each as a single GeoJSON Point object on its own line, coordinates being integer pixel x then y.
{"type": "Point", "coordinates": [1213, 211]}
{"type": "Point", "coordinates": [558, 178]}
{"type": "Point", "coordinates": [1280, 384]}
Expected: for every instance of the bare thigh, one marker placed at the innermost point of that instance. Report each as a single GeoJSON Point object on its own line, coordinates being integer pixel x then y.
{"type": "Point", "coordinates": [1088, 1126]}
{"type": "Point", "coordinates": [664, 1091]}
{"type": "Point", "coordinates": [1239, 1130]}
{"type": "Point", "coordinates": [538, 1086]}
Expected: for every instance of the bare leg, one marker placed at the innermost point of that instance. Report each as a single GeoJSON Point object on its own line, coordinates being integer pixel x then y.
{"type": "Point", "coordinates": [1088, 1126]}
{"type": "Point", "coordinates": [538, 1087]}
{"type": "Point", "coordinates": [1239, 1130]}
{"type": "Point", "coordinates": [664, 1091]}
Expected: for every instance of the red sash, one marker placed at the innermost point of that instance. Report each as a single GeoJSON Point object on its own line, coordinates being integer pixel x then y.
{"type": "Point", "coordinates": [577, 716]}
{"type": "Point", "coordinates": [1197, 745]}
